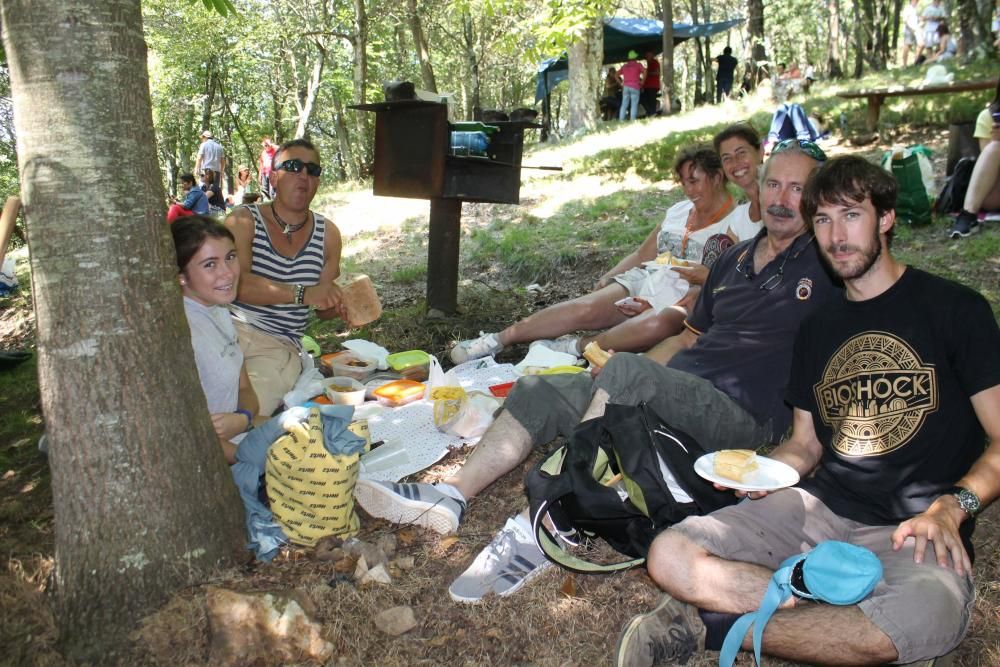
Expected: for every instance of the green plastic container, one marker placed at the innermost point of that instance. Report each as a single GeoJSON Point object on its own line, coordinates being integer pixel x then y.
{"type": "Point", "coordinates": [412, 364]}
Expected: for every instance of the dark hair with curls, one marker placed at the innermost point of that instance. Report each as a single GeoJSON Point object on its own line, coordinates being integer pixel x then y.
{"type": "Point", "coordinates": [743, 131]}
{"type": "Point", "coordinates": [190, 232]}
{"type": "Point", "coordinates": [848, 180]}
{"type": "Point", "coordinates": [703, 157]}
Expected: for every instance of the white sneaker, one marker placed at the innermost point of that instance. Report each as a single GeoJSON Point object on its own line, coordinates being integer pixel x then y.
{"type": "Point", "coordinates": [565, 344]}
{"type": "Point", "coordinates": [506, 564]}
{"type": "Point", "coordinates": [485, 346]}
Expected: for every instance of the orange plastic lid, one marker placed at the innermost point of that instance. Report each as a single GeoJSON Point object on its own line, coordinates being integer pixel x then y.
{"type": "Point", "coordinates": [399, 390]}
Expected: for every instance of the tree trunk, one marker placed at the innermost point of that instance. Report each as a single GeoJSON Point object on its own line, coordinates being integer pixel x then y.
{"type": "Point", "coordinates": [859, 42]}
{"type": "Point", "coordinates": [420, 44]}
{"type": "Point", "coordinates": [585, 57]}
{"type": "Point", "coordinates": [758, 53]}
{"type": "Point", "coordinates": [351, 163]}
{"type": "Point", "coordinates": [474, 103]}
{"type": "Point", "coordinates": [305, 101]}
{"type": "Point", "coordinates": [834, 68]}
{"type": "Point", "coordinates": [667, 65]}
{"type": "Point", "coordinates": [144, 502]}
{"type": "Point", "coordinates": [360, 44]}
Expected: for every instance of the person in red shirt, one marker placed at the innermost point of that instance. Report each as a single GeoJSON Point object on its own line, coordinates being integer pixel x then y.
{"type": "Point", "coordinates": [264, 167]}
{"type": "Point", "coordinates": [633, 74]}
{"type": "Point", "coordinates": [651, 85]}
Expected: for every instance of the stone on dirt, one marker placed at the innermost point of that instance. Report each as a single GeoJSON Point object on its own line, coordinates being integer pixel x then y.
{"type": "Point", "coordinates": [261, 626]}
{"type": "Point", "coordinates": [396, 621]}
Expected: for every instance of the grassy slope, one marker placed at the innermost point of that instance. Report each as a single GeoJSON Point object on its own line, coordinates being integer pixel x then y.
{"type": "Point", "coordinates": [570, 227]}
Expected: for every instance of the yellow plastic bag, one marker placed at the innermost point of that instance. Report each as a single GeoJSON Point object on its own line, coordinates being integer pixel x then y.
{"type": "Point", "coordinates": [311, 491]}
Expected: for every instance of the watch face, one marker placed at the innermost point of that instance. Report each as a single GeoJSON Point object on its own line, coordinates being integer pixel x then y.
{"type": "Point", "coordinates": [968, 500]}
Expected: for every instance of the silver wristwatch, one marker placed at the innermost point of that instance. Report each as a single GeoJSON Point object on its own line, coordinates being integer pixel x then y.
{"type": "Point", "coordinates": [967, 500]}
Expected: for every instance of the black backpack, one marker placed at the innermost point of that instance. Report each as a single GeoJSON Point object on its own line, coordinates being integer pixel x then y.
{"type": "Point", "coordinates": [606, 482]}
{"type": "Point", "coordinates": [952, 195]}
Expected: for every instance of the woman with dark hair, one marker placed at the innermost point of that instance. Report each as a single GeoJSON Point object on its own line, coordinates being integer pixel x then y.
{"type": "Point", "coordinates": [984, 184]}
{"type": "Point", "coordinates": [945, 48]}
{"type": "Point", "coordinates": [216, 202]}
{"type": "Point", "coordinates": [739, 149]}
{"type": "Point", "coordinates": [632, 296]}
{"type": "Point", "coordinates": [209, 272]}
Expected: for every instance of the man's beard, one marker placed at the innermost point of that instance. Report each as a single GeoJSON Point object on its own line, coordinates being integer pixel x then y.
{"type": "Point", "coordinates": [859, 267]}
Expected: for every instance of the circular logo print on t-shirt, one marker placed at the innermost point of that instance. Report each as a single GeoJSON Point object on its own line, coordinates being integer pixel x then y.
{"type": "Point", "coordinates": [874, 394]}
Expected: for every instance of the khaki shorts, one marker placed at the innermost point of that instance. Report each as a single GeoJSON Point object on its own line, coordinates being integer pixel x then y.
{"type": "Point", "coordinates": [272, 363]}
{"type": "Point", "coordinates": [923, 608]}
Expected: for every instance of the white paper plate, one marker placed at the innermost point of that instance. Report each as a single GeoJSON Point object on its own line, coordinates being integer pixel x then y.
{"type": "Point", "coordinates": [770, 475]}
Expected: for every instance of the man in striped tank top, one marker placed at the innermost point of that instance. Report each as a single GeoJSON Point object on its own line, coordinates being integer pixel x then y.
{"type": "Point", "coordinates": [289, 258]}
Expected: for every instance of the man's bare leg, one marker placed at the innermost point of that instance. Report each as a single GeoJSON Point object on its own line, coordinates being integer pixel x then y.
{"type": "Point", "coordinates": [505, 444]}
{"type": "Point", "coordinates": [592, 311]}
{"type": "Point", "coordinates": [805, 632]}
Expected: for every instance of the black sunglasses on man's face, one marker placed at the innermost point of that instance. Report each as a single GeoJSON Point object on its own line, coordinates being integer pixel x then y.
{"type": "Point", "coordinates": [295, 165]}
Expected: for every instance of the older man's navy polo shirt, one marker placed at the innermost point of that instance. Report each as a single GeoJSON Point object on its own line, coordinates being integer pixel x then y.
{"type": "Point", "coordinates": [746, 324]}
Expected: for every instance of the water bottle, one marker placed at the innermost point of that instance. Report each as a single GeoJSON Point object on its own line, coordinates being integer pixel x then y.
{"type": "Point", "coordinates": [469, 143]}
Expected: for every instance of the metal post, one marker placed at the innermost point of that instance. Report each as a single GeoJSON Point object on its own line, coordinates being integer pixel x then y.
{"type": "Point", "coordinates": [442, 256]}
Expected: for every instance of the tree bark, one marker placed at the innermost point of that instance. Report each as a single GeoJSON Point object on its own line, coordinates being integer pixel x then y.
{"type": "Point", "coordinates": [474, 103]}
{"type": "Point", "coordinates": [144, 502]}
{"type": "Point", "coordinates": [667, 64]}
{"type": "Point", "coordinates": [755, 12]}
{"type": "Point", "coordinates": [420, 44]}
{"type": "Point", "coordinates": [834, 68]}
{"type": "Point", "coordinates": [360, 44]}
{"type": "Point", "coordinates": [585, 57]}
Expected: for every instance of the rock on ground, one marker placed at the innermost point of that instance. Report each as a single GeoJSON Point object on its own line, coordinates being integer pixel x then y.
{"type": "Point", "coordinates": [262, 626]}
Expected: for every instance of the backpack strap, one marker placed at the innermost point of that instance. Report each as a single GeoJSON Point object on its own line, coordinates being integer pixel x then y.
{"type": "Point", "coordinates": [553, 549]}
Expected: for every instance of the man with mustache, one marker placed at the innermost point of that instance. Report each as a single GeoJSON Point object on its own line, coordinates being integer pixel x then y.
{"type": "Point", "coordinates": [721, 380]}
{"type": "Point", "coordinates": [895, 387]}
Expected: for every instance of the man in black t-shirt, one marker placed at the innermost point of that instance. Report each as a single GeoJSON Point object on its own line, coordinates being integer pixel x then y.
{"type": "Point", "coordinates": [895, 389]}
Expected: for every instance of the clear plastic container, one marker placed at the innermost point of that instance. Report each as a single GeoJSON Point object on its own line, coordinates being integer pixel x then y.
{"type": "Point", "coordinates": [353, 366]}
{"type": "Point", "coordinates": [344, 391]}
{"type": "Point", "coordinates": [400, 392]}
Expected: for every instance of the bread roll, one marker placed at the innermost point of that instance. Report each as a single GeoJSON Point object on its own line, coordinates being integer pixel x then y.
{"type": "Point", "coordinates": [361, 300]}
{"type": "Point", "coordinates": [595, 355]}
{"type": "Point", "coordinates": [734, 464]}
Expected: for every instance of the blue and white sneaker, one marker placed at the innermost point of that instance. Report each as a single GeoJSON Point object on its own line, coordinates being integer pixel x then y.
{"type": "Point", "coordinates": [418, 504]}
{"type": "Point", "coordinates": [506, 564]}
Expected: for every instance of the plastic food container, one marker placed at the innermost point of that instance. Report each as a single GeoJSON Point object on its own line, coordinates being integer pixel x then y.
{"type": "Point", "coordinates": [325, 362]}
{"type": "Point", "coordinates": [399, 392]}
{"type": "Point", "coordinates": [345, 391]}
{"type": "Point", "coordinates": [501, 390]}
{"type": "Point", "coordinates": [352, 365]}
{"type": "Point", "coordinates": [412, 364]}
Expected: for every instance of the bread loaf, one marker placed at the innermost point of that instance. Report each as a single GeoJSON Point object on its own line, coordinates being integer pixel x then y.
{"type": "Point", "coordinates": [734, 464]}
{"type": "Point", "coordinates": [595, 355]}
{"type": "Point", "coordinates": [360, 299]}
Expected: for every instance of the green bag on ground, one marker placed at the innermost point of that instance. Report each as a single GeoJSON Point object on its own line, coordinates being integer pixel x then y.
{"type": "Point", "coordinates": [911, 167]}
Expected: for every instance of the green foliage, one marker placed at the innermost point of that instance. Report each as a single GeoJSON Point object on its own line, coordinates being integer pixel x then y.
{"type": "Point", "coordinates": [223, 7]}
